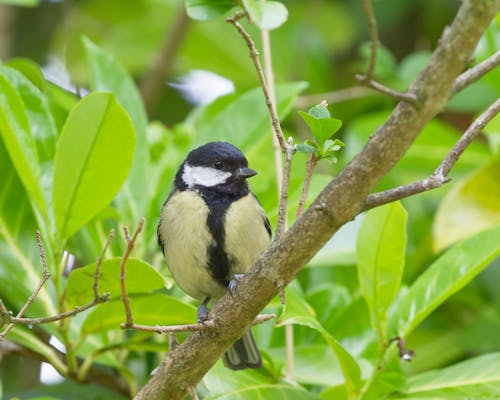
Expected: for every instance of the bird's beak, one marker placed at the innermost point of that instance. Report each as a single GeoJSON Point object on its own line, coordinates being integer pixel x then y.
{"type": "Point", "coordinates": [245, 173]}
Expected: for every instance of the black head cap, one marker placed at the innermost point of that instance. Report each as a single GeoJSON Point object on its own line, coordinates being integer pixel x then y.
{"type": "Point", "coordinates": [219, 155]}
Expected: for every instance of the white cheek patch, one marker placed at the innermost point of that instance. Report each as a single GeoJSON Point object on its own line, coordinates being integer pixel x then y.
{"type": "Point", "coordinates": [203, 176]}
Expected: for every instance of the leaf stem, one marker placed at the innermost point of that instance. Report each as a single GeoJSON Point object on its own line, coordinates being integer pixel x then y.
{"type": "Point", "coordinates": [311, 163]}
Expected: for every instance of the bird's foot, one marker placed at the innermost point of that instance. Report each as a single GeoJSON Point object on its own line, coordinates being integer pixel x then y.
{"type": "Point", "coordinates": [234, 283]}
{"type": "Point", "coordinates": [203, 311]}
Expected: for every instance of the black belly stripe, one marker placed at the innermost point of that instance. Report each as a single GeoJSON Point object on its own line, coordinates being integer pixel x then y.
{"type": "Point", "coordinates": [219, 262]}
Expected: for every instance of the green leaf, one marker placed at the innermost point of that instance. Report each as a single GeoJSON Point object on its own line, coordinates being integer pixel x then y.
{"type": "Point", "coordinates": [472, 378]}
{"type": "Point", "coordinates": [446, 276]}
{"type": "Point", "coordinates": [108, 75]}
{"type": "Point", "coordinates": [154, 309]}
{"type": "Point", "coordinates": [208, 9]}
{"type": "Point", "coordinates": [266, 15]}
{"type": "Point", "coordinates": [468, 208]}
{"type": "Point", "coordinates": [42, 125]}
{"type": "Point", "coordinates": [321, 128]}
{"type": "Point", "coordinates": [380, 250]}
{"type": "Point", "coordinates": [30, 69]}
{"type": "Point", "coordinates": [220, 380]}
{"type": "Point", "coordinates": [319, 111]}
{"type": "Point", "coordinates": [19, 142]}
{"type": "Point", "coordinates": [305, 148]}
{"type": "Point", "coordinates": [141, 277]}
{"type": "Point", "coordinates": [93, 156]}
{"type": "Point", "coordinates": [17, 244]}
{"type": "Point", "coordinates": [298, 311]}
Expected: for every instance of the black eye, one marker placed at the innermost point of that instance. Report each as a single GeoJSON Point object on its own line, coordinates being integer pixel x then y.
{"type": "Point", "coordinates": [218, 164]}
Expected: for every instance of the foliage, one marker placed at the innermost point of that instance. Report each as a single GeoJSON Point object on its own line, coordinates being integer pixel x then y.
{"type": "Point", "coordinates": [74, 168]}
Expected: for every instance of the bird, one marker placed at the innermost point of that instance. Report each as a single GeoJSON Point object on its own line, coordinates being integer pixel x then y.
{"type": "Point", "coordinates": [212, 230]}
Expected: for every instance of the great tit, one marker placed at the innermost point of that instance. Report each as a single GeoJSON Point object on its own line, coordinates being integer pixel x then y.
{"type": "Point", "coordinates": [212, 229]}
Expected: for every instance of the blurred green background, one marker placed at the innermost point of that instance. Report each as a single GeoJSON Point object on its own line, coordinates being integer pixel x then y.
{"type": "Point", "coordinates": [79, 45]}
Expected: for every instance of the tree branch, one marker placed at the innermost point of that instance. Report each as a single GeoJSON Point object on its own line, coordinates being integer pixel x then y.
{"type": "Point", "coordinates": [201, 326]}
{"type": "Point", "coordinates": [64, 315]}
{"type": "Point", "coordinates": [473, 74]}
{"type": "Point", "coordinates": [440, 175]}
{"type": "Point", "coordinates": [340, 201]}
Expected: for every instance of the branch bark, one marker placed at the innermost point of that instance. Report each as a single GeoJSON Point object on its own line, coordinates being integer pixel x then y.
{"type": "Point", "coordinates": [341, 200]}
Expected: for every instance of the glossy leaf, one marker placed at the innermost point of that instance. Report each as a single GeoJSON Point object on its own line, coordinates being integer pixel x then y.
{"type": "Point", "coordinates": [29, 69]}
{"type": "Point", "coordinates": [468, 208]}
{"type": "Point", "coordinates": [93, 157]}
{"type": "Point", "coordinates": [447, 275]}
{"type": "Point", "coordinates": [469, 379]}
{"type": "Point", "coordinates": [108, 75]}
{"type": "Point", "coordinates": [140, 278]}
{"type": "Point", "coordinates": [381, 246]}
{"type": "Point", "coordinates": [19, 142]}
{"type": "Point", "coordinates": [42, 126]}
{"type": "Point", "coordinates": [321, 128]}
{"type": "Point", "coordinates": [265, 14]}
{"type": "Point", "coordinates": [298, 311]}
{"type": "Point", "coordinates": [154, 309]}
{"type": "Point", "coordinates": [208, 9]}
{"type": "Point", "coordinates": [17, 244]}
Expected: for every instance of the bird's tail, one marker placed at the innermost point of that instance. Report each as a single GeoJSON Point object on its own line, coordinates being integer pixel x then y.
{"type": "Point", "coordinates": [243, 354]}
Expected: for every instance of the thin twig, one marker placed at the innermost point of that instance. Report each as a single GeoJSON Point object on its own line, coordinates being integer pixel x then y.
{"type": "Point", "coordinates": [126, 233]}
{"type": "Point", "coordinates": [31, 299]}
{"type": "Point", "coordinates": [61, 316]}
{"type": "Point", "coordinates": [475, 73]}
{"type": "Point", "coordinates": [123, 263]}
{"type": "Point", "coordinates": [368, 78]}
{"type": "Point", "coordinates": [372, 25]}
{"type": "Point", "coordinates": [254, 55]}
{"type": "Point", "coordinates": [440, 175]}
{"type": "Point", "coordinates": [201, 326]}
{"type": "Point", "coordinates": [472, 131]}
{"type": "Point", "coordinates": [401, 192]}
{"type": "Point", "coordinates": [283, 204]}
{"type": "Point", "coordinates": [97, 273]}
{"type": "Point", "coordinates": [408, 97]}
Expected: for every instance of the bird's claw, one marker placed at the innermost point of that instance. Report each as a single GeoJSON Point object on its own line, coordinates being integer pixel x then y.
{"type": "Point", "coordinates": [234, 283]}
{"type": "Point", "coordinates": [203, 311]}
